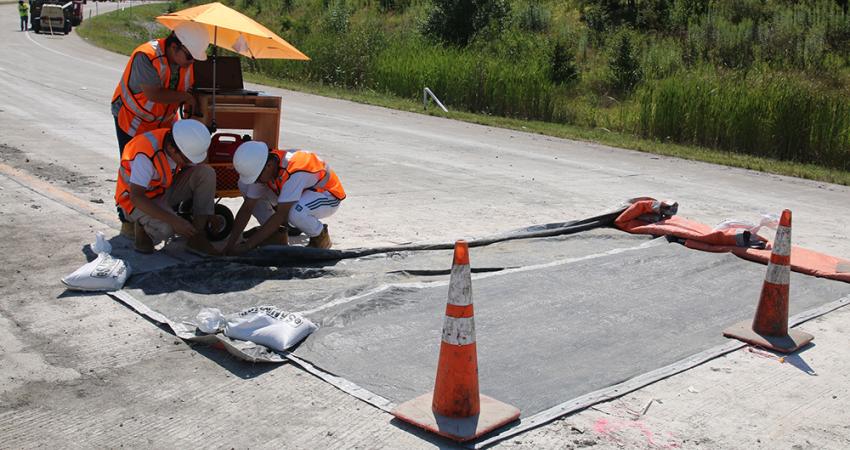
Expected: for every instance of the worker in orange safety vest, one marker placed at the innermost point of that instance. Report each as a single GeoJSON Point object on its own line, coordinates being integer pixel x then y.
{"type": "Point", "coordinates": [155, 82]}
{"type": "Point", "coordinates": [283, 188]}
{"type": "Point", "coordinates": [159, 170]}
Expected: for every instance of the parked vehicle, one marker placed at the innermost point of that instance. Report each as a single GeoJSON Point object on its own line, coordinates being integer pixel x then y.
{"type": "Point", "coordinates": [52, 20]}
{"type": "Point", "coordinates": [71, 9]}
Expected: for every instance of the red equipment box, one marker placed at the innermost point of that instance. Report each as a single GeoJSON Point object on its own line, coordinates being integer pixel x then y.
{"type": "Point", "coordinates": [220, 158]}
{"type": "Point", "coordinates": [223, 146]}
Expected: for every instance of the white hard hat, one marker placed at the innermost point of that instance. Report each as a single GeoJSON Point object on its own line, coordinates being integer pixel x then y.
{"type": "Point", "coordinates": [192, 138]}
{"type": "Point", "coordinates": [195, 37]}
{"type": "Point", "coordinates": [249, 160]}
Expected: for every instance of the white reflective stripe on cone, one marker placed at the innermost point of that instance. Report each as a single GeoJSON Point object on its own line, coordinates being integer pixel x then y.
{"type": "Point", "coordinates": [460, 286]}
{"type": "Point", "coordinates": [778, 274]}
{"type": "Point", "coordinates": [782, 242]}
{"type": "Point", "coordinates": [459, 331]}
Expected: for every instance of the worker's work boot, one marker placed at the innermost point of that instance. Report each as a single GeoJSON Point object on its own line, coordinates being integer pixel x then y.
{"type": "Point", "coordinates": [201, 246]}
{"type": "Point", "coordinates": [323, 240]}
{"type": "Point", "coordinates": [128, 230]}
{"type": "Point", "coordinates": [142, 242]}
{"type": "Point", "coordinates": [279, 237]}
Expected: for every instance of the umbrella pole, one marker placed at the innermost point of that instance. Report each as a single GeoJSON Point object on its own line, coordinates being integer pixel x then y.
{"type": "Point", "coordinates": [215, 86]}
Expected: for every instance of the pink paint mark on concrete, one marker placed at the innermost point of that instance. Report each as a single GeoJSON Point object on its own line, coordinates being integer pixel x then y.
{"type": "Point", "coordinates": [612, 430]}
{"type": "Point", "coordinates": [601, 426]}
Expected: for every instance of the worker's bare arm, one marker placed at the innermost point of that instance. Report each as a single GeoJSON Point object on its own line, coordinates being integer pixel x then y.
{"type": "Point", "coordinates": [159, 94]}
{"type": "Point", "coordinates": [242, 218]}
{"type": "Point", "coordinates": [146, 205]}
{"type": "Point", "coordinates": [280, 217]}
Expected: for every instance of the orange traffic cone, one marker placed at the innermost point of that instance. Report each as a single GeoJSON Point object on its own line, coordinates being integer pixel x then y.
{"type": "Point", "coordinates": [769, 329]}
{"type": "Point", "coordinates": [454, 408]}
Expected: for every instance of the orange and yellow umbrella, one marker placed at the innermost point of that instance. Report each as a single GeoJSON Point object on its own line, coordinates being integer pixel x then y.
{"type": "Point", "coordinates": [235, 31]}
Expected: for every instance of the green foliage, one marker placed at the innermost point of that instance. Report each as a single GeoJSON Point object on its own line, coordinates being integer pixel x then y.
{"type": "Point", "coordinates": [684, 12]}
{"type": "Point", "coordinates": [336, 18]}
{"type": "Point", "coordinates": [344, 59]}
{"type": "Point", "coordinates": [606, 15]}
{"type": "Point", "coordinates": [393, 5]}
{"type": "Point", "coordinates": [535, 17]}
{"type": "Point", "coordinates": [762, 77]}
{"type": "Point", "coordinates": [455, 22]}
{"type": "Point", "coordinates": [123, 30]}
{"type": "Point", "coordinates": [663, 58]}
{"type": "Point", "coordinates": [625, 67]}
{"type": "Point", "coordinates": [563, 68]}
{"type": "Point", "coordinates": [477, 81]}
{"type": "Point", "coordinates": [778, 117]}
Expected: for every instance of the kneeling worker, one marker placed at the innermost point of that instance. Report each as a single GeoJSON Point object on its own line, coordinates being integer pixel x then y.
{"type": "Point", "coordinates": [159, 169]}
{"type": "Point", "coordinates": [281, 188]}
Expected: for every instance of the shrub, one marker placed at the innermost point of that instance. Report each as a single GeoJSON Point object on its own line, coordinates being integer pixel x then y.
{"type": "Point", "coordinates": [535, 17]}
{"type": "Point", "coordinates": [393, 5]}
{"type": "Point", "coordinates": [663, 58]}
{"type": "Point", "coordinates": [605, 15]}
{"type": "Point", "coordinates": [344, 59]}
{"type": "Point", "coordinates": [455, 22]}
{"type": "Point", "coordinates": [624, 65]}
{"type": "Point", "coordinates": [562, 64]}
{"type": "Point", "coordinates": [336, 18]}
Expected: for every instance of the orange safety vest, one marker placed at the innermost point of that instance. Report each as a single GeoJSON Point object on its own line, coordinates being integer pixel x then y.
{"type": "Point", "coordinates": [301, 161]}
{"type": "Point", "coordinates": [150, 145]}
{"type": "Point", "coordinates": [138, 114]}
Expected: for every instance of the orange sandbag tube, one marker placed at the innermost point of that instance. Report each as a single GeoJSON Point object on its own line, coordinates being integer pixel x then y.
{"type": "Point", "coordinates": [455, 409]}
{"type": "Point", "coordinates": [769, 328]}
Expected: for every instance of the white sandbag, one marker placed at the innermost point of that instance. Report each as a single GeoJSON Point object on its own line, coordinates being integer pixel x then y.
{"type": "Point", "coordinates": [100, 244]}
{"type": "Point", "coordinates": [211, 320]}
{"type": "Point", "coordinates": [105, 273]}
{"type": "Point", "coordinates": [269, 326]}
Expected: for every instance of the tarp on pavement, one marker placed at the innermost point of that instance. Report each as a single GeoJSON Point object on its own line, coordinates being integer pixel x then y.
{"type": "Point", "coordinates": [558, 318]}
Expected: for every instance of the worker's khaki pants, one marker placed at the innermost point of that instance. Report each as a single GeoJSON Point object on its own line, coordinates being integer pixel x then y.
{"type": "Point", "coordinates": [196, 183]}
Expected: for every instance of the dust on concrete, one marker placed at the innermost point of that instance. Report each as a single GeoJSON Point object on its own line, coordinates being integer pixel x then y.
{"type": "Point", "coordinates": [94, 188]}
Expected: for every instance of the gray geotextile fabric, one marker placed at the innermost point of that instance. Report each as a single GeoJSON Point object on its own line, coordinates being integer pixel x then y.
{"type": "Point", "coordinates": [556, 317]}
{"type": "Point", "coordinates": [557, 331]}
{"type": "Point", "coordinates": [181, 290]}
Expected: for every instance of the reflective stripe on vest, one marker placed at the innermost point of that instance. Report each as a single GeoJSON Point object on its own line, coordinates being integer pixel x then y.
{"type": "Point", "coordinates": [138, 113]}
{"type": "Point", "coordinates": [149, 144]}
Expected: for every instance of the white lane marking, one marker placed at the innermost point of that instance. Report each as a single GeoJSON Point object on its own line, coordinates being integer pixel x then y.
{"type": "Point", "coordinates": [429, 284]}
{"type": "Point", "coordinates": [72, 57]}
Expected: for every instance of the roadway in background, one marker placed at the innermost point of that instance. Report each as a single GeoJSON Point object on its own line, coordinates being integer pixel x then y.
{"type": "Point", "coordinates": [410, 178]}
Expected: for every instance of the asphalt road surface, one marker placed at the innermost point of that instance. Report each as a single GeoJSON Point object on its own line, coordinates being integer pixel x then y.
{"type": "Point", "coordinates": [85, 371]}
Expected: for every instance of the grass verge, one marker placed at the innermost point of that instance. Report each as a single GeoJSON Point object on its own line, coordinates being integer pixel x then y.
{"type": "Point", "coordinates": [121, 31]}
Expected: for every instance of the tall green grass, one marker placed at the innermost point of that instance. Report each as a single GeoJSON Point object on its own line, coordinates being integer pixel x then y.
{"type": "Point", "coordinates": [122, 30]}
{"type": "Point", "coordinates": [736, 78]}
{"type": "Point", "coordinates": [773, 116]}
{"type": "Point", "coordinates": [474, 82]}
